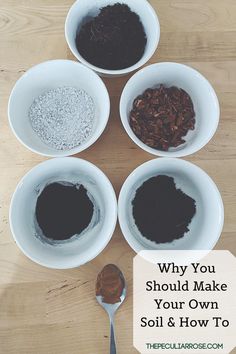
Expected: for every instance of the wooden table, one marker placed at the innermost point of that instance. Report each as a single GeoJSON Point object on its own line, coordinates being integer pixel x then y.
{"type": "Point", "coordinates": [46, 311]}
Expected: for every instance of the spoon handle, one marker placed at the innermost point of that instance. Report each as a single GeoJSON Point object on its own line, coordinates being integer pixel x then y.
{"type": "Point", "coordinates": [112, 337]}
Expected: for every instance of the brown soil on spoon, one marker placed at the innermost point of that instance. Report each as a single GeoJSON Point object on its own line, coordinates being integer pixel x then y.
{"type": "Point", "coordinates": [110, 284]}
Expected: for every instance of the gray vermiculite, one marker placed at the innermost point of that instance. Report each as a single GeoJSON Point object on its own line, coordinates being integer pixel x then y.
{"type": "Point", "coordinates": [63, 118]}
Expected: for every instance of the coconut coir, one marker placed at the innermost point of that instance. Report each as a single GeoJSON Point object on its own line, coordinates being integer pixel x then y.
{"type": "Point", "coordinates": [162, 212]}
{"type": "Point", "coordinates": [114, 39]}
{"type": "Point", "coordinates": [63, 210]}
{"type": "Point", "coordinates": [162, 116]}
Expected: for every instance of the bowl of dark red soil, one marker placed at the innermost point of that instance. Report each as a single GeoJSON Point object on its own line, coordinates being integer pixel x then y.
{"type": "Point", "coordinates": [63, 213]}
{"type": "Point", "coordinates": [112, 37]}
{"type": "Point", "coordinates": [169, 109]}
{"type": "Point", "coordinates": [170, 204]}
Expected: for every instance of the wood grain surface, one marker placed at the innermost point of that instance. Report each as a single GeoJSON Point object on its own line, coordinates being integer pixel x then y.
{"type": "Point", "coordinates": [46, 311]}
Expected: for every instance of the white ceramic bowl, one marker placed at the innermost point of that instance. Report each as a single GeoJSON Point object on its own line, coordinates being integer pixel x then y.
{"type": "Point", "coordinates": [204, 98]}
{"type": "Point", "coordinates": [84, 8]}
{"type": "Point", "coordinates": [81, 249]}
{"type": "Point", "coordinates": [207, 223]}
{"type": "Point", "coordinates": [50, 75]}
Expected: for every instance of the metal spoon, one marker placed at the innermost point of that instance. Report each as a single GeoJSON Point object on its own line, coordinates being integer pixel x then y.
{"type": "Point", "coordinates": [111, 310]}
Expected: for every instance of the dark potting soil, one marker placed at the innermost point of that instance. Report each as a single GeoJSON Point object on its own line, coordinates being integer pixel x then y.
{"type": "Point", "coordinates": [63, 210]}
{"type": "Point", "coordinates": [162, 212]}
{"type": "Point", "coordinates": [115, 39]}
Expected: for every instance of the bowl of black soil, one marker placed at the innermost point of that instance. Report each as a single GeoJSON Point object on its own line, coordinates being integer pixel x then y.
{"type": "Point", "coordinates": [63, 213]}
{"type": "Point", "coordinates": [111, 37]}
{"type": "Point", "coordinates": [170, 204]}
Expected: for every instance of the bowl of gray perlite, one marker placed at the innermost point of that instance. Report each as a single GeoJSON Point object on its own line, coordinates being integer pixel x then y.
{"type": "Point", "coordinates": [58, 108]}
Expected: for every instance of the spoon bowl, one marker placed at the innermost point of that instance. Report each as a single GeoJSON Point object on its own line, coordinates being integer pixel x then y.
{"type": "Point", "coordinates": [112, 308]}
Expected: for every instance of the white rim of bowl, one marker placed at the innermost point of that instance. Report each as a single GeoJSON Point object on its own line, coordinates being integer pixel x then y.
{"type": "Point", "coordinates": [134, 67]}
{"type": "Point", "coordinates": [66, 153]}
{"type": "Point", "coordinates": [112, 226]}
{"type": "Point", "coordinates": [137, 141]}
{"type": "Point", "coordinates": [134, 244]}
